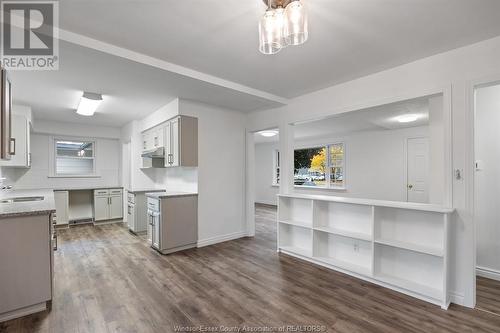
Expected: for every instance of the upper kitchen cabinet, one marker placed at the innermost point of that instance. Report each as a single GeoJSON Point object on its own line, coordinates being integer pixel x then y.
{"type": "Point", "coordinates": [152, 139]}
{"type": "Point", "coordinates": [6, 142]}
{"type": "Point", "coordinates": [181, 142]}
{"type": "Point", "coordinates": [21, 149]}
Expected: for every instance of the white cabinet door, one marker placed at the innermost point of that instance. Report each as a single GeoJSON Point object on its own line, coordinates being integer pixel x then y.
{"type": "Point", "coordinates": [150, 228]}
{"type": "Point", "coordinates": [167, 138]}
{"type": "Point", "coordinates": [20, 143]}
{"type": "Point", "coordinates": [175, 142]}
{"type": "Point", "coordinates": [115, 207]}
{"type": "Point", "coordinates": [101, 208]}
{"type": "Point", "coordinates": [61, 199]}
{"type": "Point", "coordinates": [156, 232]}
{"type": "Point", "coordinates": [157, 137]}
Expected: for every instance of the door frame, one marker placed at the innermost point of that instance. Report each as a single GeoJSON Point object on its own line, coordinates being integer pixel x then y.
{"type": "Point", "coordinates": [469, 169]}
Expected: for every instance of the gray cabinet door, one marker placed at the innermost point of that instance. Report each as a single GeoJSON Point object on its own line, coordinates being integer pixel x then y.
{"type": "Point", "coordinates": [115, 207]}
{"type": "Point", "coordinates": [101, 208]}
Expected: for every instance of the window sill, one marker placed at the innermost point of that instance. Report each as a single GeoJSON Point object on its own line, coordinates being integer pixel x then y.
{"type": "Point", "coordinates": [74, 176]}
{"type": "Point", "coordinates": [339, 189]}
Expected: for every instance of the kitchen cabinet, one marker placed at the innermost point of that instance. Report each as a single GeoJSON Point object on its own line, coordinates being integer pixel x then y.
{"type": "Point", "coordinates": [61, 199]}
{"type": "Point", "coordinates": [181, 142]}
{"type": "Point", "coordinates": [27, 265]}
{"type": "Point", "coordinates": [152, 138]}
{"type": "Point", "coordinates": [6, 140]}
{"type": "Point", "coordinates": [20, 143]}
{"type": "Point", "coordinates": [108, 204]}
{"type": "Point", "coordinates": [172, 221]}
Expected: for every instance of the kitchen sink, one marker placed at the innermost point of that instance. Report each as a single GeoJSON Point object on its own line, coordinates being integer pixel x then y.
{"type": "Point", "coordinates": [21, 199]}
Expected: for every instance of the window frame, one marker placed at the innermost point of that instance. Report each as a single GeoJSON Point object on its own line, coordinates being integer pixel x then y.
{"type": "Point", "coordinates": [53, 157]}
{"type": "Point", "coordinates": [276, 167]}
{"type": "Point", "coordinates": [328, 185]}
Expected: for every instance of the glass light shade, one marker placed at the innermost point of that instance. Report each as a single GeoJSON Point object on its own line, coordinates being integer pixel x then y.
{"type": "Point", "coordinates": [282, 26]}
{"type": "Point", "coordinates": [296, 19]}
{"type": "Point", "coordinates": [269, 33]}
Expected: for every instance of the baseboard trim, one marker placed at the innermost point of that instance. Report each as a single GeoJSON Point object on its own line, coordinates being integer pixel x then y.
{"type": "Point", "coordinates": [457, 298]}
{"type": "Point", "coordinates": [488, 273]}
{"type": "Point", "coordinates": [220, 239]}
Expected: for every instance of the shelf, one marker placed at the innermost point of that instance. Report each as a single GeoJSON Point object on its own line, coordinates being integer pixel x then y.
{"type": "Point", "coordinates": [411, 246]}
{"type": "Point", "coordinates": [345, 233]}
{"type": "Point", "coordinates": [297, 224]}
{"type": "Point", "coordinates": [297, 250]}
{"type": "Point", "coordinates": [411, 286]}
{"type": "Point", "coordinates": [345, 265]}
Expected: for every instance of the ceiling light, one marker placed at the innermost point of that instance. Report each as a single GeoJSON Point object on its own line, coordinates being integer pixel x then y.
{"type": "Point", "coordinates": [89, 104]}
{"type": "Point", "coordinates": [268, 133]}
{"type": "Point", "coordinates": [407, 118]}
{"type": "Point", "coordinates": [284, 23]}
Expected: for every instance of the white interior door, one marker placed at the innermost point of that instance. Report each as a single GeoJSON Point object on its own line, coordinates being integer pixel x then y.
{"type": "Point", "coordinates": [418, 170]}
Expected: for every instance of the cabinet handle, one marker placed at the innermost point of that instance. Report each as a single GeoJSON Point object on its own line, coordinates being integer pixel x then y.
{"type": "Point", "coordinates": [12, 151]}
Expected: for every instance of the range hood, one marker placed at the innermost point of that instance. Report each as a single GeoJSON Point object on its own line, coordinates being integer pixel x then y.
{"type": "Point", "coordinates": [154, 153]}
{"type": "Point", "coordinates": [154, 158]}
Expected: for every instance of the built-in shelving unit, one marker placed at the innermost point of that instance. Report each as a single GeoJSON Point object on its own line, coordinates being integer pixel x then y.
{"type": "Point", "coordinates": [402, 246]}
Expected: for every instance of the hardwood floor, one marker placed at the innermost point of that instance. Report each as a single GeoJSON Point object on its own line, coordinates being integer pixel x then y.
{"type": "Point", "coordinates": [488, 295]}
{"type": "Point", "coordinates": [108, 280]}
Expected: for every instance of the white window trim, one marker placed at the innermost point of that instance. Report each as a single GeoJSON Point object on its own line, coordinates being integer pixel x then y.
{"type": "Point", "coordinates": [52, 157]}
{"type": "Point", "coordinates": [328, 185]}
{"type": "Point", "coordinates": [275, 166]}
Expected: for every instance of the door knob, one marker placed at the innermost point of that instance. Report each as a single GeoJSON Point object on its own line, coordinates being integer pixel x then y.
{"type": "Point", "coordinates": [410, 186]}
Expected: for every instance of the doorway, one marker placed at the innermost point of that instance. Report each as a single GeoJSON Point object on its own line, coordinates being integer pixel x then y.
{"type": "Point", "coordinates": [486, 196]}
{"type": "Point", "coordinates": [267, 176]}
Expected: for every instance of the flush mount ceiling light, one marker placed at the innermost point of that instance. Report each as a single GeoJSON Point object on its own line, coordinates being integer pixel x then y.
{"type": "Point", "coordinates": [89, 103]}
{"type": "Point", "coordinates": [268, 133]}
{"type": "Point", "coordinates": [284, 23]}
{"type": "Point", "coordinates": [407, 118]}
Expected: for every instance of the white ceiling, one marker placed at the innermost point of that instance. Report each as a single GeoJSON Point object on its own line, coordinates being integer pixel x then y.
{"type": "Point", "coordinates": [348, 38]}
{"type": "Point", "coordinates": [130, 90]}
{"type": "Point", "coordinates": [372, 119]}
{"type": "Point", "coordinates": [378, 118]}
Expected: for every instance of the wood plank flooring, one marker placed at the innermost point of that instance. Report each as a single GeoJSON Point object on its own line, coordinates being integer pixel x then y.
{"type": "Point", "coordinates": [488, 295]}
{"type": "Point", "coordinates": [108, 280]}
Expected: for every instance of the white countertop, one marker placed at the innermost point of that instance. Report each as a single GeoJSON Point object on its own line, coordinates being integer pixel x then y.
{"type": "Point", "coordinates": [374, 202]}
{"type": "Point", "coordinates": [26, 208]}
{"type": "Point", "coordinates": [84, 188]}
{"type": "Point", "coordinates": [167, 194]}
{"type": "Point", "coordinates": [144, 190]}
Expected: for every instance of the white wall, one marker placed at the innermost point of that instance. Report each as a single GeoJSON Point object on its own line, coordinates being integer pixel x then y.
{"type": "Point", "coordinates": [375, 163]}
{"type": "Point", "coordinates": [488, 179]}
{"type": "Point", "coordinates": [107, 163]}
{"type": "Point", "coordinates": [452, 73]}
{"type": "Point", "coordinates": [265, 191]}
{"type": "Point", "coordinates": [219, 178]}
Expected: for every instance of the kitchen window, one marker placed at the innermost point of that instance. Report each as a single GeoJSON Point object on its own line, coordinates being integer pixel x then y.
{"type": "Point", "coordinates": [320, 167]}
{"type": "Point", "coordinates": [74, 158]}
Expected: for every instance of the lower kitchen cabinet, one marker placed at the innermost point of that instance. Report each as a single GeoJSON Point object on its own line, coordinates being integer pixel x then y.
{"type": "Point", "coordinates": [61, 199]}
{"type": "Point", "coordinates": [108, 204]}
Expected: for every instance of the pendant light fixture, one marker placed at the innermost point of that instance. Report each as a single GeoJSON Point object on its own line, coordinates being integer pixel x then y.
{"type": "Point", "coordinates": [284, 23]}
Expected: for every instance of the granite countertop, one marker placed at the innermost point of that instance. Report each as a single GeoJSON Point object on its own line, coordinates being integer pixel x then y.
{"type": "Point", "coordinates": [88, 188]}
{"type": "Point", "coordinates": [167, 194]}
{"type": "Point", "coordinates": [144, 190]}
{"type": "Point", "coordinates": [27, 208]}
